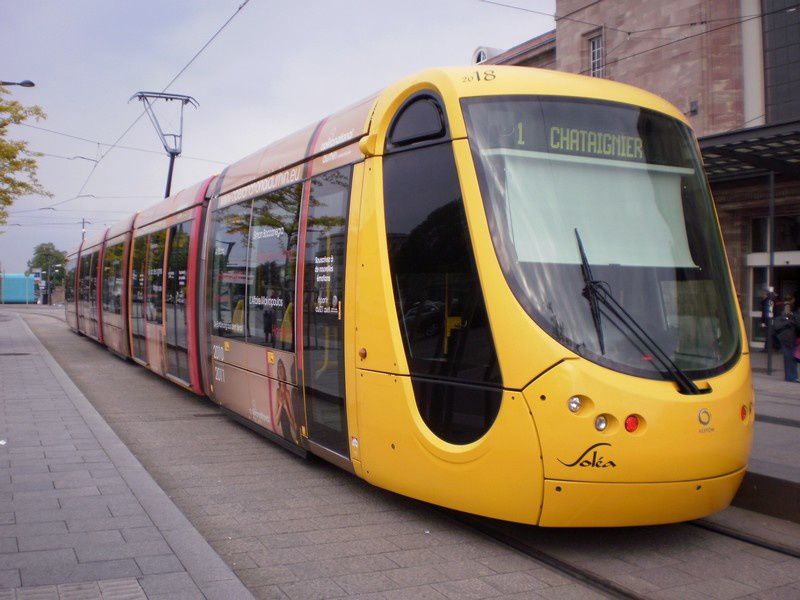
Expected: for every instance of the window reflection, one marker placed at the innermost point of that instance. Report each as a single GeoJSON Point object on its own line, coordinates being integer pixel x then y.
{"type": "Point", "coordinates": [229, 270]}
{"type": "Point", "coordinates": [273, 257]}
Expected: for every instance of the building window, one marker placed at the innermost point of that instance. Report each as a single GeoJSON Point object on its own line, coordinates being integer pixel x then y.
{"type": "Point", "coordinates": [596, 62]}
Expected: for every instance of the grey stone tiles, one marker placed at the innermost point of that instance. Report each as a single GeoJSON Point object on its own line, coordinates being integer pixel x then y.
{"type": "Point", "coordinates": [79, 515]}
{"type": "Point", "coordinates": [291, 528]}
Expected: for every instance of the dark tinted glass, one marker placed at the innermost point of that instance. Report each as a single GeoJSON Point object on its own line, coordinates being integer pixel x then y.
{"type": "Point", "coordinates": [787, 234]}
{"type": "Point", "coordinates": [112, 279]}
{"type": "Point", "coordinates": [323, 335]}
{"type": "Point", "coordinates": [420, 120]}
{"type": "Point", "coordinates": [155, 276]}
{"type": "Point", "coordinates": [177, 286]}
{"type": "Point", "coordinates": [437, 293]}
{"type": "Point", "coordinates": [69, 280]}
{"type": "Point", "coordinates": [459, 414]}
{"type": "Point", "coordinates": [229, 270]}
{"type": "Point", "coordinates": [137, 297]}
{"type": "Point", "coordinates": [273, 261]}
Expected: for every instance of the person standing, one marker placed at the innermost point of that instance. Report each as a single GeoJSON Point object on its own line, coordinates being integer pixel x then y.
{"type": "Point", "coordinates": [767, 312]}
{"type": "Point", "coordinates": [786, 330]}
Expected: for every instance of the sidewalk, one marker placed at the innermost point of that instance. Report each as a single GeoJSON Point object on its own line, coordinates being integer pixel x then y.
{"type": "Point", "coordinates": [772, 484]}
{"type": "Point", "coordinates": [79, 515]}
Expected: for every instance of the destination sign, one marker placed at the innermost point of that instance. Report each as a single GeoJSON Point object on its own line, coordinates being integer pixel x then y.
{"type": "Point", "coordinates": [597, 143]}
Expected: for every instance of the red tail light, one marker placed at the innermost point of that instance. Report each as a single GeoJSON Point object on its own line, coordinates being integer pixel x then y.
{"type": "Point", "coordinates": [631, 423]}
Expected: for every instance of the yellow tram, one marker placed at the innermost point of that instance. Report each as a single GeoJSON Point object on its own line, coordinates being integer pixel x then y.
{"type": "Point", "coordinates": [500, 290]}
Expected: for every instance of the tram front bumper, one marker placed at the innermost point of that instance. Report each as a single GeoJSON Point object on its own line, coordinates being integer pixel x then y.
{"type": "Point", "coordinates": [590, 504]}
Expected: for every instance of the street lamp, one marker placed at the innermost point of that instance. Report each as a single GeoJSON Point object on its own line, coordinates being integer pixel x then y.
{"type": "Point", "coordinates": [23, 83]}
{"type": "Point", "coordinates": [49, 288]}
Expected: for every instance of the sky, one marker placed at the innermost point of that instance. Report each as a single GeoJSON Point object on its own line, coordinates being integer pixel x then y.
{"type": "Point", "coordinates": [277, 67]}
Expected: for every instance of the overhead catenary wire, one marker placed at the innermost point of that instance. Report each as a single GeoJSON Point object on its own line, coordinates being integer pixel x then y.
{"type": "Point", "coordinates": [119, 147]}
{"type": "Point", "coordinates": [138, 118]}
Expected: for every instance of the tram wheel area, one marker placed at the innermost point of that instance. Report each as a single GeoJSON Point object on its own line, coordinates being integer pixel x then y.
{"type": "Point", "coordinates": [292, 527]}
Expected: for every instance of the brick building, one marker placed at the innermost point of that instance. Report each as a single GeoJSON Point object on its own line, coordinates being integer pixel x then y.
{"type": "Point", "coordinates": [733, 68]}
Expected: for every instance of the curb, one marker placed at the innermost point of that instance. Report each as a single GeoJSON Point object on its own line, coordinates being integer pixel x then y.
{"type": "Point", "coordinates": [770, 496]}
{"type": "Point", "coordinates": [209, 572]}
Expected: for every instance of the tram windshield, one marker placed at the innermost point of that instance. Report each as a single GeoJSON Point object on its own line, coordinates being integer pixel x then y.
{"type": "Point", "coordinates": [630, 182]}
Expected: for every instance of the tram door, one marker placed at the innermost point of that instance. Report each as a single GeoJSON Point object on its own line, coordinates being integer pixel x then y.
{"type": "Point", "coordinates": [323, 310]}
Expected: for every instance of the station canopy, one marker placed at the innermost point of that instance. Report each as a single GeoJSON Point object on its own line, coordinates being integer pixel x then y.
{"type": "Point", "coordinates": [753, 152]}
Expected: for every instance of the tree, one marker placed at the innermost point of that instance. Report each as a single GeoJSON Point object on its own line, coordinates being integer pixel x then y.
{"type": "Point", "coordinates": [17, 165]}
{"type": "Point", "coordinates": [45, 255]}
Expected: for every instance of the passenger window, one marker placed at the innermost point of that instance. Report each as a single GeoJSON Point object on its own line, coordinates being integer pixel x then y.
{"type": "Point", "coordinates": [69, 280]}
{"type": "Point", "coordinates": [421, 120]}
{"type": "Point", "coordinates": [229, 270]}
{"type": "Point", "coordinates": [155, 277]}
{"type": "Point", "coordinates": [273, 262]}
{"type": "Point", "coordinates": [177, 286]}
{"type": "Point", "coordinates": [112, 279]}
{"type": "Point", "coordinates": [323, 303]}
{"type": "Point", "coordinates": [440, 305]}
{"type": "Point", "coordinates": [137, 297]}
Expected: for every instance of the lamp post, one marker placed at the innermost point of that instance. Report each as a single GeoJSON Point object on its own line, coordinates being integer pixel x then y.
{"type": "Point", "coordinates": [23, 83]}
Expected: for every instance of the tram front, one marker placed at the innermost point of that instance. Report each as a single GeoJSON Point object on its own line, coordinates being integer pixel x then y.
{"type": "Point", "coordinates": [604, 230]}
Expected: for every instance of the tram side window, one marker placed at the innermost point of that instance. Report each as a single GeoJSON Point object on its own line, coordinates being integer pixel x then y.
{"type": "Point", "coordinates": [155, 276]}
{"type": "Point", "coordinates": [229, 270]}
{"type": "Point", "coordinates": [440, 305]}
{"type": "Point", "coordinates": [273, 262]}
{"type": "Point", "coordinates": [177, 287]}
{"type": "Point", "coordinates": [69, 280]}
{"type": "Point", "coordinates": [93, 282]}
{"type": "Point", "coordinates": [139, 251]}
{"type": "Point", "coordinates": [83, 282]}
{"type": "Point", "coordinates": [112, 279]}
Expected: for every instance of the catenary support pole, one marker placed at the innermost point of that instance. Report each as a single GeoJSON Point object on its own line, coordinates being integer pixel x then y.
{"type": "Point", "coordinates": [771, 272]}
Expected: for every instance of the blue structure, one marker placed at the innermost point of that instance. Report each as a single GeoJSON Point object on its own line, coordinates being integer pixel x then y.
{"type": "Point", "coordinates": [16, 288]}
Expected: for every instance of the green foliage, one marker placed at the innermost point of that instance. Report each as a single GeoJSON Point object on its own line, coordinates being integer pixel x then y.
{"type": "Point", "coordinates": [17, 165]}
{"type": "Point", "coordinates": [45, 255]}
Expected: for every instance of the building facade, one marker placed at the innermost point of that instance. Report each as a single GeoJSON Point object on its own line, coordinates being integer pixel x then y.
{"type": "Point", "coordinates": [733, 68]}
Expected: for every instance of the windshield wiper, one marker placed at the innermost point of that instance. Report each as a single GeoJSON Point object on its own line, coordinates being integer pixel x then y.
{"type": "Point", "coordinates": [590, 293]}
{"type": "Point", "coordinates": [596, 292]}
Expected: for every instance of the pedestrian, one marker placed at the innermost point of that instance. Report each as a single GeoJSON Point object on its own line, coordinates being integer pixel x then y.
{"type": "Point", "coordinates": [767, 310]}
{"type": "Point", "coordinates": [786, 331]}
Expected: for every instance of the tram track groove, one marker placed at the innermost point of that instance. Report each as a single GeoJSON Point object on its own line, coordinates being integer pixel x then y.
{"type": "Point", "coordinates": [748, 538]}
{"type": "Point", "coordinates": [503, 533]}
{"type": "Point", "coordinates": [584, 576]}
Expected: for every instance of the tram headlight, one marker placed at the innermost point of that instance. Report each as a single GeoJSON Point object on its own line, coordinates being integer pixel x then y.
{"type": "Point", "coordinates": [574, 404]}
{"type": "Point", "coordinates": [600, 423]}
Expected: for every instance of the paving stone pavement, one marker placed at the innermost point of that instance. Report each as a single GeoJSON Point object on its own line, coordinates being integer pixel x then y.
{"type": "Point", "coordinates": [288, 527]}
{"type": "Point", "coordinates": [79, 515]}
{"type": "Point", "coordinates": [303, 529]}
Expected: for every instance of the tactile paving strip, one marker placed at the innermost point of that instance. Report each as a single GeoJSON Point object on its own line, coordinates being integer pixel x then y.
{"type": "Point", "coordinates": [111, 589]}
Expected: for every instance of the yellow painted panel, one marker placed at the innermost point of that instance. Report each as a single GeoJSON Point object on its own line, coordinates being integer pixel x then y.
{"type": "Point", "coordinates": [350, 303]}
{"type": "Point", "coordinates": [671, 443]}
{"type": "Point", "coordinates": [377, 329]}
{"type": "Point", "coordinates": [499, 476]}
{"type": "Point", "coordinates": [578, 504]}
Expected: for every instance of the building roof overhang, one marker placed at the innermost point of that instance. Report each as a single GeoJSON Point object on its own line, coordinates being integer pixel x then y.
{"type": "Point", "coordinates": [753, 152]}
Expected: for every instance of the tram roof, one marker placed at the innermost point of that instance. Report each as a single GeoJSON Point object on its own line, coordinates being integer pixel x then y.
{"type": "Point", "coordinates": [350, 124]}
{"type": "Point", "coordinates": [337, 130]}
{"type": "Point", "coordinates": [175, 203]}
{"type": "Point", "coordinates": [93, 241]}
{"type": "Point", "coordinates": [121, 227]}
